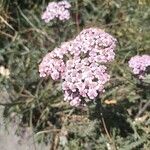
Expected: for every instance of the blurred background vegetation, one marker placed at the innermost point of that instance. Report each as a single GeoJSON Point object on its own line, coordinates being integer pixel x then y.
{"type": "Point", "coordinates": [25, 39]}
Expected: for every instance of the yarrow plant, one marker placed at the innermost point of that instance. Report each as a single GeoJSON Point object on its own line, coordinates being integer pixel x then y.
{"type": "Point", "coordinates": [140, 65]}
{"type": "Point", "coordinates": [58, 10]}
{"type": "Point", "coordinates": [79, 63]}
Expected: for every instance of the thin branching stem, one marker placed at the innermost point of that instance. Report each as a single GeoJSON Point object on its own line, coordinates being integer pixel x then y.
{"type": "Point", "coordinates": [99, 110]}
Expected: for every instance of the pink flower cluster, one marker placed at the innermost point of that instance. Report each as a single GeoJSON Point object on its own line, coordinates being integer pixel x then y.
{"type": "Point", "coordinates": [140, 64]}
{"type": "Point", "coordinates": [83, 80]}
{"type": "Point", "coordinates": [57, 10]}
{"type": "Point", "coordinates": [51, 66]}
{"type": "Point", "coordinates": [79, 64]}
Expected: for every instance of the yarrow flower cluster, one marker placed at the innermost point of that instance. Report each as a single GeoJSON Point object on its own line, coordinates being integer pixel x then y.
{"type": "Point", "coordinates": [58, 10]}
{"type": "Point", "coordinates": [79, 63]}
{"type": "Point", "coordinates": [83, 81]}
{"type": "Point", "coordinates": [139, 65]}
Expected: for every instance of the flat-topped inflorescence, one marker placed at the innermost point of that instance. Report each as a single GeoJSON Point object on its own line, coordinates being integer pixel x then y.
{"type": "Point", "coordinates": [139, 65]}
{"type": "Point", "coordinates": [58, 10]}
{"type": "Point", "coordinates": [79, 63]}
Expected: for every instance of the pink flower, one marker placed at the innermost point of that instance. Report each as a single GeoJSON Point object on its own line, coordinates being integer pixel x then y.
{"type": "Point", "coordinates": [51, 67]}
{"type": "Point", "coordinates": [57, 10]}
{"type": "Point", "coordinates": [92, 93]}
{"type": "Point", "coordinates": [139, 64]}
{"type": "Point", "coordinates": [92, 79]}
{"type": "Point", "coordinates": [78, 63]}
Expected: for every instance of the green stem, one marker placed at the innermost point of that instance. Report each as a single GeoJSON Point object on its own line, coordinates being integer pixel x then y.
{"type": "Point", "coordinates": [99, 110]}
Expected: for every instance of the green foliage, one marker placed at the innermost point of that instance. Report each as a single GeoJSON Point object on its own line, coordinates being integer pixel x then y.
{"type": "Point", "coordinates": [25, 39]}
